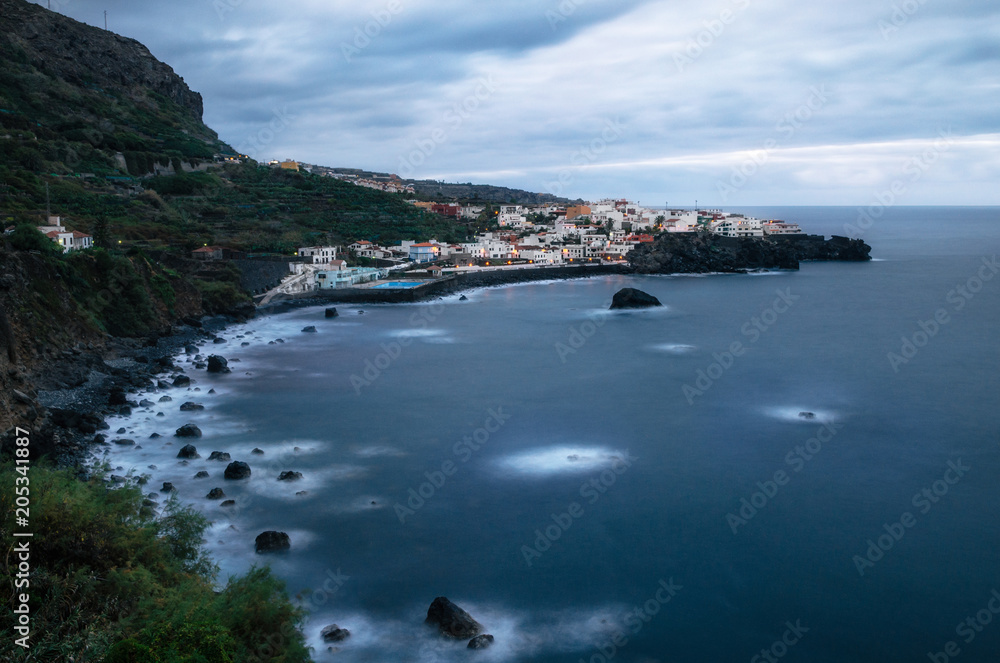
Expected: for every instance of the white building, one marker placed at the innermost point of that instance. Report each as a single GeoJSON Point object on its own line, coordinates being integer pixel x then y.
{"type": "Point", "coordinates": [69, 240]}
{"type": "Point", "coordinates": [738, 226]}
{"type": "Point", "coordinates": [781, 228]}
{"type": "Point", "coordinates": [511, 215]}
{"type": "Point", "coordinates": [319, 255]}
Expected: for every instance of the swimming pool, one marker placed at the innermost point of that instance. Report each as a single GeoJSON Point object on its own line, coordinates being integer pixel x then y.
{"type": "Point", "coordinates": [398, 284]}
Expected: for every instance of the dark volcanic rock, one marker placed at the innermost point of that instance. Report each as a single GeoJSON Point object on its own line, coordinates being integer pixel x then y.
{"type": "Point", "coordinates": [452, 620]}
{"type": "Point", "coordinates": [217, 364]}
{"type": "Point", "coordinates": [334, 633]}
{"type": "Point", "coordinates": [331, 313]}
{"type": "Point", "coordinates": [271, 541]}
{"type": "Point", "coordinates": [257, 452]}
{"type": "Point", "coordinates": [201, 475]}
{"type": "Point", "coordinates": [463, 298]}
{"type": "Point", "coordinates": [237, 470]}
{"type": "Point", "coordinates": [228, 503]}
{"type": "Point", "coordinates": [481, 641]}
{"type": "Point", "coordinates": [167, 487]}
{"type": "Point", "coordinates": [219, 455]}
{"type": "Point", "coordinates": [215, 494]}
{"type": "Point", "coordinates": [807, 415]}
{"type": "Point", "coordinates": [125, 442]}
{"type": "Point", "coordinates": [191, 407]}
{"type": "Point", "coordinates": [188, 451]}
{"type": "Point", "coordinates": [289, 476]}
{"type": "Point", "coordinates": [188, 430]}
{"type": "Point", "coordinates": [117, 397]}
{"type": "Point", "coordinates": [310, 329]}
{"type": "Point", "coordinates": [181, 381]}
{"type": "Point", "coordinates": [632, 298]}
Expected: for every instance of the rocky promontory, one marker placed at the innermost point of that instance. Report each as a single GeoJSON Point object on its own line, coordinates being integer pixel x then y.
{"type": "Point", "coordinates": [678, 253]}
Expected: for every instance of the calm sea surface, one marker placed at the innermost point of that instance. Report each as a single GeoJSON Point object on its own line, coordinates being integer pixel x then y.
{"type": "Point", "coordinates": [636, 486]}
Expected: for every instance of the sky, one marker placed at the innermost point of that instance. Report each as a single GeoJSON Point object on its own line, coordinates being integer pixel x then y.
{"type": "Point", "coordinates": [727, 103]}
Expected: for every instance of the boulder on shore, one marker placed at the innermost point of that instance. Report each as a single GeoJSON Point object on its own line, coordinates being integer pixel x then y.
{"type": "Point", "coordinates": [331, 312]}
{"type": "Point", "coordinates": [219, 455]}
{"type": "Point", "coordinates": [311, 329]}
{"type": "Point", "coordinates": [188, 451]}
{"type": "Point", "coordinates": [272, 541]}
{"type": "Point", "coordinates": [237, 470]}
{"type": "Point", "coordinates": [334, 633]}
{"type": "Point", "coordinates": [181, 381]}
{"type": "Point", "coordinates": [481, 641]}
{"type": "Point", "coordinates": [451, 620]}
{"type": "Point", "coordinates": [217, 364]}
{"type": "Point", "coordinates": [191, 406]}
{"type": "Point", "coordinates": [188, 430]}
{"type": "Point", "coordinates": [632, 298]}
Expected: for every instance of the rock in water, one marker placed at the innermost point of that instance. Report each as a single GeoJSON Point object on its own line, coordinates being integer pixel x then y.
{"type": "Point", "coordinates": [289, 476]}
{"type": "Point", "coordinates": [309, 330]}
{"type": "Point", "coordinates": [334, 633]}
{"type": "Point", "coordinates": [188, 430]}
{"type": "Point", "coordinates": [182, 381]}
{"type": "Point", "coordinates": [219, 455]}
{"type": "Point", "coordinates": [215, 494]}
{"type": "Point", "coordinates": [188, 451]}
{"type": "Point", "coordinates": [331, 313]}
{"type": "Point", "coordinates": [190, 406]}
{"type": "Point", "coordinates": [481, 641]}
{"type": "Point", "coordinates": [452, 620]}
{"type": "Point", "coordinates": [463, 298]}
{"type": "Point", "coordinates": [217, 364]}
{"type": "Point", "coordinates": [632, 298]}
{"type": "Point", "coordinates": [807, 415]}
{"type": "Point", "coordinates": [237, 470]}
{"type": "Point", "coordinates": [272, 541]}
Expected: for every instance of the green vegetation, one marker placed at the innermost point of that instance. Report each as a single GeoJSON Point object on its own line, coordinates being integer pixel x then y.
{"type": "Point", "coordinates": [112, 581]}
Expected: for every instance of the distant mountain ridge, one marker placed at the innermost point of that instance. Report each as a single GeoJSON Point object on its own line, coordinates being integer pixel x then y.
{"type": "Point", "coordinates": [465, 192]}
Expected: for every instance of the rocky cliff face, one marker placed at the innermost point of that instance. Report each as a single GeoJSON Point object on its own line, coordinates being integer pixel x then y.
{"type": "Point", "coordinates": [83, 55]}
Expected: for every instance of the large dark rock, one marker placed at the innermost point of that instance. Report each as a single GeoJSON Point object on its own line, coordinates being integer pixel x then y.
{"type": "Point", "coordinates": [237, 470]}
{"type": "Point", "coordinates": [188, 451]}
{"type": "Point", "coordinates": [188, 430]}
{"type": "Point", "coordinates": [632, 298]}
{"type": "Point", "coordinates": [215, 494]}
{"type": "Point", "coordinates": [117, 397]}
{"type": "Point", "coordinates": [334, 633]}
{"type": "Point", "coordinates": [331, 313]}
{"type": "Point", "coordinates": [451, 620]}
{"type": "Point", "coordinates": [310, 329]}
{"type": "Point", "coordinates": [181, 381]}
{"type": "Point", "coordinates": [217, 364]}
{"type": "Point", "coordinates": [190, 406]}
{"type": "Point", "coordinates": [289, 476]}
{"type": "Point", "coordinates": [219, 455]}
{"type": "Point", "coordinates": [272, 541]}
{"type": "Point", "coordinates": [481, 641]}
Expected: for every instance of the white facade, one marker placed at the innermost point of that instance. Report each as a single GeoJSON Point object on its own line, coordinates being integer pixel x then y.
{"type": "Point", "coordinates": [738, 226]}
{"type": "Point", "coordinates": [781, 228]}
{"type": "Point", "coordinates": [319, 255]}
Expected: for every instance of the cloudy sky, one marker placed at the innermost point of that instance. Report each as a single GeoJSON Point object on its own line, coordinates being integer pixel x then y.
{"type": "Point", "coordinates": [730, 102]}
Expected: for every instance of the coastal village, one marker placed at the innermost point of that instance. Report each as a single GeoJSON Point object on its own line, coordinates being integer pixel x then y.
{"type": "Point", "coordinates": [520, 237]}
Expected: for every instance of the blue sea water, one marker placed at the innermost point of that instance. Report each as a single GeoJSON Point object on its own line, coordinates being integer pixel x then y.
{"type": "Point", "coordinates": [575, 478]}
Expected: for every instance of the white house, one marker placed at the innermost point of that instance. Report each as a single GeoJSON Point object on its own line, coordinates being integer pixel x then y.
{"type": "Point", "coordinates": [511, 215]}
{"type": "Point", "coordinates": [69, 240]}
{"type": "Point", "coordinates": [319, 255]}
{"type": "Point", "coordinates": [781, 228]}
{"type": "Point", "coordinates": [738, 226]}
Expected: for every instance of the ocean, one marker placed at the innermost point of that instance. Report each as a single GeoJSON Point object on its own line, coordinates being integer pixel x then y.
{"type": "Point", "coordinates": [777, 466]}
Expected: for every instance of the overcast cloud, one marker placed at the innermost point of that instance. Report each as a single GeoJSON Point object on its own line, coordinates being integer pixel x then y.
{"type": "Point", "coordinates": [817, 103]}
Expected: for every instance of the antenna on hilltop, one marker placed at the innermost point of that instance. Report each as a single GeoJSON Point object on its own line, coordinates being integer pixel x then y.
{"type": "Point", "coordinates": [105, 20]}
